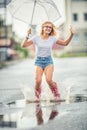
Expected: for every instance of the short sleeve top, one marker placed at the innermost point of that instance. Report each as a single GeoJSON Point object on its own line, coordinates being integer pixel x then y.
{"type": "Point", "coordinates": [44, 47]}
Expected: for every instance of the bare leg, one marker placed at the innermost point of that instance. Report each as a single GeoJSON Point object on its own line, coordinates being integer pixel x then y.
{"type": "Point", "coordinates": [53, 86]}
{"type": "Point", "coordinates": [38, 80]}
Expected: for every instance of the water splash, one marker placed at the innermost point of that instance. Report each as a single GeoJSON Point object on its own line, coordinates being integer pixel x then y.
{"type": "Point", "coordinates": [27, 91]}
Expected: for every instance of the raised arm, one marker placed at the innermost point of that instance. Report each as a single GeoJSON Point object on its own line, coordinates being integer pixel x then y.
{"type": "Point", "coordinates": [66, 41]}
{"type": "Point", "coordinates": [26, 41]}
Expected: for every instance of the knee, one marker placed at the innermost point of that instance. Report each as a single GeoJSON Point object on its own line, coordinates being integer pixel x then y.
{"type": "Point", "coordinates": [49, 81]}
{"type": "Point", "coordinates": [38, 80]}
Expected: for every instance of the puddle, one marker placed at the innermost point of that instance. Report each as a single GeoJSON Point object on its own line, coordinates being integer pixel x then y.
{"type": "Point", "coordinates": [76, 98]}
{"type": "Point", "coordinates": [23, 116]}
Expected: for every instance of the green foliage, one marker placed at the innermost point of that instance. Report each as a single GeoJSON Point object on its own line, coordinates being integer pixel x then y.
{"type": "Point", "coordinates": [69, 54]}
{"type": "Point", "coordinates": [22, 52]}
{"type": "Point", "coordinates": [73, 55]}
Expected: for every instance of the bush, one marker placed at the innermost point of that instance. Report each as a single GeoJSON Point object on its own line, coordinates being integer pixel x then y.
{"type": "Point", "coordinates": [23, 53]}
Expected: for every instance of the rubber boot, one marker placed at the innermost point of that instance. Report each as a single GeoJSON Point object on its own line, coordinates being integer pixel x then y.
{"type": "Point", "coordinates": [55, 92]}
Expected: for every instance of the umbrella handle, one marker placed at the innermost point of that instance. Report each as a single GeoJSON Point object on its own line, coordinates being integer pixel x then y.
{"type": "Point", "coordinates": [29, 32]}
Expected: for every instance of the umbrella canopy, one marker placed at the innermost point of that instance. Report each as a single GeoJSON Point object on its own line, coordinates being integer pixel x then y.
{"type": "Point", "coordinates": [34, 12]}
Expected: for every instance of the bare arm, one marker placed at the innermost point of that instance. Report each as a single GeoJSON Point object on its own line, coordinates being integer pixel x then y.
{"type": "Point", "coordinates": [26, 41]}
{"type": "Point", "coordinates": [66, 41]}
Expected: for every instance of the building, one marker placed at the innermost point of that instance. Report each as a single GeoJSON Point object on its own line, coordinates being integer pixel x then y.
{"type": "Point", "coordinates": [76, 14]}
{"type": "Point", "coordinates": [6, 33]}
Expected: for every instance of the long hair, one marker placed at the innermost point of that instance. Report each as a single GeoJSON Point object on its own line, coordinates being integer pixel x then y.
{"type": "Point", "coordinates": [54, 28]}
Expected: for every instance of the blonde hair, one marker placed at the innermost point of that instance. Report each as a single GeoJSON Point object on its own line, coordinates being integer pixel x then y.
{"type": "Point", "coordinates": [54, 28]}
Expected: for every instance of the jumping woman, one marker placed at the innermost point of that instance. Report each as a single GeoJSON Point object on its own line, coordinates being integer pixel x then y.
{"type": "Point", "coordinates": [43, 61]}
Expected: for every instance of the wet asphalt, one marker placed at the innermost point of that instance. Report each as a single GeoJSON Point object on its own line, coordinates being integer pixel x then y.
{"type": "Point", "coordinates": [17, 84]}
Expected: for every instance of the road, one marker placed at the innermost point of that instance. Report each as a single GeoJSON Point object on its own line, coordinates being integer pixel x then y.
{"type": "Point", "coordinates": [17, 83]}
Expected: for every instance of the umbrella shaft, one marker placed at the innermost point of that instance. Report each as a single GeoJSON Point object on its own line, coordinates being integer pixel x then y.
{"type": "Point", "coordinates": [33, 12]}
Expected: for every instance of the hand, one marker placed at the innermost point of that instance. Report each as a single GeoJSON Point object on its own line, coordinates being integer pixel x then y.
{"type": "Point", "coordinates": [72, 30]}
{"type": "Point", "coordinates": [29, 32]}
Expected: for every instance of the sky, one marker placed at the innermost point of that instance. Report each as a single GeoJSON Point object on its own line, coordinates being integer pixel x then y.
{"type": "Point", "coordinates": [20, 28]}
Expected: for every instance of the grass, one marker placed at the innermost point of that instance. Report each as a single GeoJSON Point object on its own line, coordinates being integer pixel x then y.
{"type": "Point", "coordinates": [65, 55]}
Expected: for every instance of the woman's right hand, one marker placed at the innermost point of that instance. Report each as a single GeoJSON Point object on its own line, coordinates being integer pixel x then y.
{"type": "Point", "coordinates": [29, 32]}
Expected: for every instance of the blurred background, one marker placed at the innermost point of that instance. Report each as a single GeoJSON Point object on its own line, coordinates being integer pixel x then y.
{"type": "Point", "coordinates": [16, 81]}
{"type": "Point", "coordinates": [12, 32]}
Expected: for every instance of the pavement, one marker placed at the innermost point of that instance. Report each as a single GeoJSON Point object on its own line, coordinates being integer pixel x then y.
{"type": "Point", "coordinates": [17, 83]}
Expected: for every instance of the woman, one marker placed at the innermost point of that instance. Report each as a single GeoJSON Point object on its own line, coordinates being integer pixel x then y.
{"type": "Point", "coordinates": [43, 61]}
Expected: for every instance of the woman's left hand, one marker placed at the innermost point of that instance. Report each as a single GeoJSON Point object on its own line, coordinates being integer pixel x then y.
{"type": "Point", "coordinates": [72, 30]}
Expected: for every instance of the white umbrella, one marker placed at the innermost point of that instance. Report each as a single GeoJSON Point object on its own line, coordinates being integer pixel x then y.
{"type": "Point", "coordinates": [34, 12]}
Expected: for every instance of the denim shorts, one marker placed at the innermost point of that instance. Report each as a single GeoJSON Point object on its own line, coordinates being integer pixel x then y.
{"type": "Point", "coordinates": [43, 61]}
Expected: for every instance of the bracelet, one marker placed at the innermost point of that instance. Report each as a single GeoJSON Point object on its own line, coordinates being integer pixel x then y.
{"type": "Point", "coordinates": [27, 37]}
